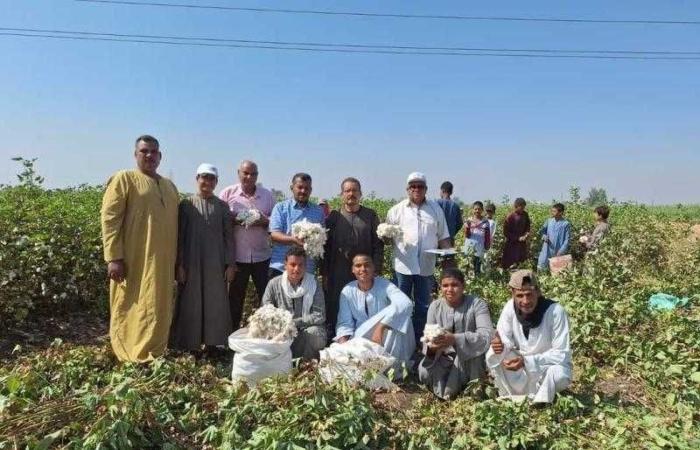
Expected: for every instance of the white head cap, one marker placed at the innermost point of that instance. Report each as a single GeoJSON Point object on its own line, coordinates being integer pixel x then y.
{"type": "Point", "coordinates": [207, 169]}
{"type": "Point", "coordinates": [416, 176]}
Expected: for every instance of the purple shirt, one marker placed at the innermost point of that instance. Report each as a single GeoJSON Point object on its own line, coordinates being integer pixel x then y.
{"type": "Point", "coordinates": [253, 243]}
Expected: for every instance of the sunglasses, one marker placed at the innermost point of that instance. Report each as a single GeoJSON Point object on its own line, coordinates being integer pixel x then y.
{"type": "Point", "coordinates": [416, 186]}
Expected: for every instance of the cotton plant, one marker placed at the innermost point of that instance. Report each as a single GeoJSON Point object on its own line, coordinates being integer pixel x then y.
{"type": "Point", "coordinates": [248, 217]}
{"type": "Point", "coordinates": [313, 235]}
{"type": "Point", "coordinates": [431, 332]}
{"type": "Point", "coordinates": [390, 232]}
{"type": "Point", "coordinates": [273, 324]}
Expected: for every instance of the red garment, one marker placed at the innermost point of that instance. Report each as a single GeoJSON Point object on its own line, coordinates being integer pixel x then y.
{"type": "Point", "coordinates": [514, 227]}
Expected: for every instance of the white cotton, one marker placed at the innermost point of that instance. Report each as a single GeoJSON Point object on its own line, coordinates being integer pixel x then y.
{"type": "Point", "coordinates": [387, 231]}
{"type": "Point", "coordinates": [354, 361]}
{"type": "Point", "coordinates": [583, 239]}
{"type": "Point", "coordinates": [313, 235]}
{"type": "Point", "coordinates": [431, 332]}
{"type": "Point", "coordinates": [272, 323]}
{"type": "Point", "coordinates": [248, 217]}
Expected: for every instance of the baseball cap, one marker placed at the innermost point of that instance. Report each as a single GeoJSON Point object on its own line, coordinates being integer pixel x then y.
{"type": "Point", "coordinates": [416, 176]}
{"type": "Point", "coordinates": [521, 277]}
{"type": "Point", "coordinates": [207, 169]}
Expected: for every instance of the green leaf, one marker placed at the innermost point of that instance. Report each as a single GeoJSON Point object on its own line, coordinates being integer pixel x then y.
{"type": "Point", "coordinates": [695, 377]}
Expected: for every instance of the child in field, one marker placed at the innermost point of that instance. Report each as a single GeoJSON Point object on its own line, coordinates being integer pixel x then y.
{"type": "Point", "coordinates": [478, 234]}
{"type": "Point", "coordinates": [205, 264]}
{"type": "Point", "coordinates": [591, 241]}
{"type": "Point", "coordinates": [555, 233]}
{"type": "Point", "coordinates": [516, 230]}
{"type": "Point", "coordinates": [491, 217]}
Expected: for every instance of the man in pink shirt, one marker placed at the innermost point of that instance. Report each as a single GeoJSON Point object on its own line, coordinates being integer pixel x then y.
{"type": "Point", "coordinates": [252, 242]}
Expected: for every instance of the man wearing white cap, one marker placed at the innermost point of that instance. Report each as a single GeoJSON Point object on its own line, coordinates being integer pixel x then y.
{"type": "Point", "coordinates": [424, 228]}
{"type": "Point", "coordinates": [530, 353]}
{"type": "Point", "coordinates": [205, 264]}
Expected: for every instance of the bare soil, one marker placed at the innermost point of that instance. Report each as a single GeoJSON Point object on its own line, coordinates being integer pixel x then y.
{"type": "Point", "coordinates": [78, 328]}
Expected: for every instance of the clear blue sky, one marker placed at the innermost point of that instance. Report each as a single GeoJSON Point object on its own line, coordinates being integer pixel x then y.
{"type": "Point", "coordinates": [493, 126]}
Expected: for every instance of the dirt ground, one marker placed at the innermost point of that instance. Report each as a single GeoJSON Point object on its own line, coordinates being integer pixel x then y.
{"type": "Point", "coordinates": [78, 328]}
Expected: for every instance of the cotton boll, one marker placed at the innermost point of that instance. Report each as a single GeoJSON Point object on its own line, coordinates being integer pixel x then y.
{"type": "Point", "coordinates": [272, 323]}
{"type": "Point", "coordinates": [387, 231]}
{"type": "Point", "coordinates": [432, 331]}
{"type": "Point", "coordinates": [313, 235]}
{"type": "Point", "coordinates": [248, 217]}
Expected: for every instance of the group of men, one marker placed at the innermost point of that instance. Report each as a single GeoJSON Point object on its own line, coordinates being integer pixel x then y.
{"type": "Point", "coordinates": [206, 244]}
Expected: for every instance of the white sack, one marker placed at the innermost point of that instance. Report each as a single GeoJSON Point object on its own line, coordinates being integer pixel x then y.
{"type": "Point", "coordinates": [255, 359]}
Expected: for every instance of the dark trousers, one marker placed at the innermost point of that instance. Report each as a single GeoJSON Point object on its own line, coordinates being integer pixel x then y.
{"type": "Point", "coordinates": [272, 273]}
{"type": "Point", "coordinates": [417, 288]}
{"type": "Point", "coordinates": [477, 266]}
{"type": "Point", "coordinates": [237, 290]}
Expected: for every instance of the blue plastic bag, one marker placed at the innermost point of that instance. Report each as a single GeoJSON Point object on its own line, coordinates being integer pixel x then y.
{"type": "Point", "coordinates": [666, 302]}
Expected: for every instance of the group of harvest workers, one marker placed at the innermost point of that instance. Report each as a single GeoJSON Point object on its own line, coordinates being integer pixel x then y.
{"type": "Point", "coordinates": [204, 250]}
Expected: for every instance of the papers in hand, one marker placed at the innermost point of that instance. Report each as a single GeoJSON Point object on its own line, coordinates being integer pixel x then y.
{"type": "Point", "coordinates": [442, 251]}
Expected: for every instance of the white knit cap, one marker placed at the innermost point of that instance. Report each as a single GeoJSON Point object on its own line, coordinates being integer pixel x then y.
{"type": "Point", "coordinates": [207, 169]}
{"type": "Point", "coordinates": [416, 176]}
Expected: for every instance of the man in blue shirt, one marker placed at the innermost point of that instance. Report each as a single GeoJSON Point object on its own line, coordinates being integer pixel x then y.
{"type": "Point", "coordinates": [284, 215]}
{"type": "Point", "coordinates": [453, 213]}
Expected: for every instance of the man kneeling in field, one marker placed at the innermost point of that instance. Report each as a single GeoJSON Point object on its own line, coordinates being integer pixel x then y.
{"type": "Point", "coordinates": [373, 308]}
{"type": "Point", "coordinates": [298, 292]}
{"type": "Point", "coordinates": [530, 353]}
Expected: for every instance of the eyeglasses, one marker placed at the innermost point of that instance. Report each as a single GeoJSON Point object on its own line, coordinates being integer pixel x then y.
{"type": "Point", "coordinates": [251, 174]}
{"type": "Point", "coordinates": [416, 186]}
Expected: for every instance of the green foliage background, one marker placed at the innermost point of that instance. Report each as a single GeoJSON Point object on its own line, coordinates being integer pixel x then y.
{"type": "Point", "coordinates": [637, 372]}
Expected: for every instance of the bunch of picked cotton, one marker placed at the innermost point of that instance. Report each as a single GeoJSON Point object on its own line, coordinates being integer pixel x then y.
{"type": "Point", "coordinates": [583, 239]}
{"type": "Point", "coordinates": [313, 235]}
{"type": "Point", "coordinates": [273, 324]}
{"type": "Point", "coordinates": [388, 231]}
{"type": "Point", "coordinates": [248, 217]}
{"type": "Point", "coordinates": [431, 332]}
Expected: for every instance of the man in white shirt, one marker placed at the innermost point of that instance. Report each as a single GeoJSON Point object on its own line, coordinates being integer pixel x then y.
{"type": "Point", "coordinates": [424, 228]}
{"type": "Point", "coordinates": [530, 353]}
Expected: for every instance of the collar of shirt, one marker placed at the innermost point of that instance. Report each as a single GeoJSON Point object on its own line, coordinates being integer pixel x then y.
{"type": "Point", "coordinates": [300, 205]}
{"type": "Point", "coordinates": [238, 189]}
{"type": "Point", "coordinates": [410, 204]}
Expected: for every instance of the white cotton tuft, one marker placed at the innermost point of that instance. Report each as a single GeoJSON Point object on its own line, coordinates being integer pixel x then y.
{"type": "Point", "coordinates": [388, 231]}
{"type": "Point", "coordinates": [432, 331]}
{"type": "Point", "coordinates": [248, 217]}
{"type": "Point", "coordinates": [273, 324]}
{"type": "Point", "coordinates": [313, 235]}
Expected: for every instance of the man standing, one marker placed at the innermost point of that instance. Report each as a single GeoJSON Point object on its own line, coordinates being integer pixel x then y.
{"type": "Point", "coordinates": [139, 234]}
{"type": "Point", "coordinates": [205, 265]}
{"type": "Point", "coordinates": [516, 230]}
{"type": "Point", "coordinates": [252, 242]}
{"type": "Point", "coordinates": [424, 228]}
{"type": "Point", "coordinates": [285, 214]}
{"type": "Point", "coordinates": [296, 291]}
{"type": "Point", "coordinates": [530, 353]}
{"type": "Point", "coordinates": [351, 230]}
{"type": "Point", "coordinates": [453, 213]}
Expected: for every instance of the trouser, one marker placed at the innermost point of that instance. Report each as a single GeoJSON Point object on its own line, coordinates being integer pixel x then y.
{"type": "Point", "coordinates": [272, 273]}
{"type": "Point", "coordinates": [237, 289]}
{"type": "Point", "coordinates": [309, 342]}
{"type": "Point", "coordinates": [418, 288]}
{"type": "Point", "coordinates": [477, 266]}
